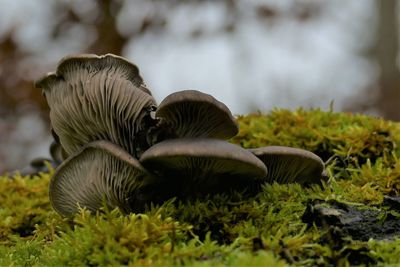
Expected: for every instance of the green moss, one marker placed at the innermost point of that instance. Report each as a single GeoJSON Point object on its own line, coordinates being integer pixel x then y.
{"type": "Point", "coordinates": [262, 230]}
{"type": "Point", "coordinates": [352, 138]}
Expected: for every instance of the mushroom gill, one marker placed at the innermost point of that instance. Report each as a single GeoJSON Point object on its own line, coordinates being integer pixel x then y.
{"type": "Point", "coordinates": [100, 173]}
{"type": "Point", "coordinates": [191, 166]}
{"type": "Point", "coordinates": [98, 98]}
{"type": "Point", "coordinates": [291, 165]}
{"type": "Point", "coordinates": [193, 114]}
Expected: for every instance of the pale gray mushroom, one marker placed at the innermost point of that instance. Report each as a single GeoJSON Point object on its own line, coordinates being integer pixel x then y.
{"type": "Point", "coordinates": [192, 166]}
{"type": "Point", "coordinates": [100, 173]}
{"type": "Point", "coordinates": [98, 98]}
{"type": "Point", "coordinates": [291, 165]}
{"type": "Point", "coordinates": [193, 114]}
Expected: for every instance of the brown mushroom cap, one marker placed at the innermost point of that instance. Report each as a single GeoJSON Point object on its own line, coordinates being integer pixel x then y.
{"type": "Point", "coordinates": [98, 98]}
{"type": "Point", "coordinates": [203, 165]}
{"type": "Point", "coordinates": [290, 165]}
{"type": "Point", "coordinates": [100, 173]}
{"type": "Point", "coordinates": [192, 113]}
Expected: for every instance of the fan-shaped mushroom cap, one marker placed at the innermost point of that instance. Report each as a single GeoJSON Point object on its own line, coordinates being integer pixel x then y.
{"type": "Point", "coordinates": [101, 173]}
{"type": "Point", "coordinates": [290, 165]}
{"type": "Point", "coordinates": [98, 98]}
{"type": "Point", "coordinates": [203, 165]}
{"type": "Point", "coordinates": [195, 114]}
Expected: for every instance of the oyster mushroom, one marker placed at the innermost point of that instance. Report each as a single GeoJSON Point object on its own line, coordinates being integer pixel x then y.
{"type": "Point", "coordinates": [98, 98]}
{"type": "Point", "coordinates": [198, 165]}
{"type": "Point", "coordinates": [289, 165]}
{"type": "Point", "coordinates": [193, 114]}
{"type": "Point", "coordinates": [100, 173]}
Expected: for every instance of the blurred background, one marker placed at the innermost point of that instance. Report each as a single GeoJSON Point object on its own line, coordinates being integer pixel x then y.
{"type": "Point", "coordinates": [251, 55]}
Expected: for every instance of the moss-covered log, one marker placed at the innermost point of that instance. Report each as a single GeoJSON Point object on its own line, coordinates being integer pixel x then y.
{"type": "Point", "coordinates": [269, 229]}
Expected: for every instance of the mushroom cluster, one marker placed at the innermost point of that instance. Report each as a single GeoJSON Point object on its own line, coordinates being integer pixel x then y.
{"type": "Point", "coordinates": [120, 149]}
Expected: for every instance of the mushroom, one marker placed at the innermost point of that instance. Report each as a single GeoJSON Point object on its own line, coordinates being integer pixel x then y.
{"type": "Point", "coordinates": [104, 119]}
{"type": "Point", "coordinates": [289, 165]}
{"type": "Point", "coordinates": [192, 166]}
{"type": "Point", "coordinates": [100, 173]}
{"type": "Point", "coordinates": [98, 98]}
{"type": "Point", "coordinates": [191, 113]}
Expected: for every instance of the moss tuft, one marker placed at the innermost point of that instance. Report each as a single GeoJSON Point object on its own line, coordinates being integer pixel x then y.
{"type": "Point", "coordinates": [351, 138]}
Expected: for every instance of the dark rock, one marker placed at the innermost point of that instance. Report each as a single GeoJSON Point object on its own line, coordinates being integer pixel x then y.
{"type": "Point", "coordinates": [392, 202]}
{"type": "Point", "coordinates": [360, 222]}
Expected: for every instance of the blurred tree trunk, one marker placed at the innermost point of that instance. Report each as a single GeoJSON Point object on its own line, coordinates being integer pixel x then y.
{"type": "Point", "coordinates": [386, 52]}
{"type": "Point", "coordinates": [109, 40]}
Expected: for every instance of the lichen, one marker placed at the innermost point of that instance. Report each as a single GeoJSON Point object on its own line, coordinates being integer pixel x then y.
{"type": "Point", "coordinates": [223, 230]}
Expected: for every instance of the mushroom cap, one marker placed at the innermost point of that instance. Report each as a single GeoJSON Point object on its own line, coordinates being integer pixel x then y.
{"type": "Point", "coordinates": [98, 98]}
{"type": "Point", "coordinates": [69, 64]}
{"type": "Point", "coordinates": [100, 173]}
{"type": "Point", "coordinates": [191, 113]}
{"type": "Point", "coordinates": [290, 165]}
{"type": "Point", "coordinates": [203, 165]}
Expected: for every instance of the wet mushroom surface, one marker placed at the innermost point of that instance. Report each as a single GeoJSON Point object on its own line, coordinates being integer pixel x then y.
{"type": "Point", "coordinates": [120, 149]}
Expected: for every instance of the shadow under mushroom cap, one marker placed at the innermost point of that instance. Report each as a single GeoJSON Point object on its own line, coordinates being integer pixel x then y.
{"type": "Point", "coordinates": [101, 173]}
{"type": "Point", "coordinates": [191, 113]}
{"type": "Point", "coordinates": [203, 165]}
{"type": "Point", "coordinates": [98, 98]}
{"type": "Point", "coordinates": [290, 165]}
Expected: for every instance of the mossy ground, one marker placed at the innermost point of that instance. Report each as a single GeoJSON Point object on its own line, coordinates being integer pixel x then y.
{"type": "Point", "coordinates": [362, 155]}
